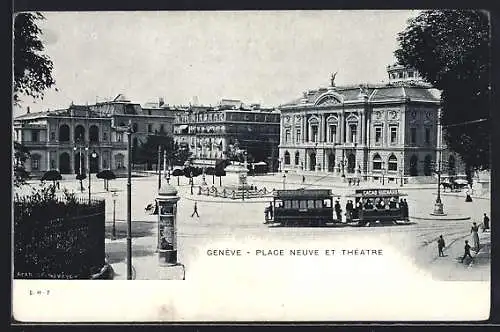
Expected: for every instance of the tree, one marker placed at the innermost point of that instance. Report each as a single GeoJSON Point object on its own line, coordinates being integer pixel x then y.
{"type": "Point", "coordinates": [181, 154]}
{"type": "Point", "coordinates": [147, 152]}
{"type": "Point", "coordinates": [450, 49]}
{"type": "Point", "coordinates": [32, 69]}
{"type": "Point", "coordinates": [106, 175]}
{"type": "Point", "coordinates": [21, 154]}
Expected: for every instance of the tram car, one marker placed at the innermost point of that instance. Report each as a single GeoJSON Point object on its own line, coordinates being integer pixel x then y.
{"type": "Point", "coordinates": [300, 207]}
{"type": "Point", "coordinates": [378, 206]}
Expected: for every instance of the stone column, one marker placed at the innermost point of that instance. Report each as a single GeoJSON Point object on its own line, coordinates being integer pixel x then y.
{"type": "Point", "coordinates": [48, 160]}
{"type": "Point", "coordinates": [303, 126]}
{"type": "Point", "coordinates": [363, 128]}
{"type": "Point", "coordinates": [342, 128]}
{"type": "Point", "coordinates": [322, 128]}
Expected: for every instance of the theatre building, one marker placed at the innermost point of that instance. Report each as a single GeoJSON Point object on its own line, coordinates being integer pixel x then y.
{"type": "Point", "coordinates": [212, 132]}
{"type": "Point", "coordinates": [381, 132]}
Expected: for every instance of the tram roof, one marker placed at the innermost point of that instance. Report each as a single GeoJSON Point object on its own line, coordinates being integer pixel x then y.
{"type": "Point", "coordinates": [303, 193]}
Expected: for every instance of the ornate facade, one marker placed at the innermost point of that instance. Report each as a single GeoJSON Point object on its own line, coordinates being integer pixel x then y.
{"type": "Point", "coordinates": [64, 140]}
{"type": "Point", "coordinates": [212, 132]}
{"type": "Point", "coordinates": [369, 131]}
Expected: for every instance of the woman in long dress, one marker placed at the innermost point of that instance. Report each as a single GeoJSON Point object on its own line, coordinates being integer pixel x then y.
{"type": "Point", "coordinates": [475, 237]}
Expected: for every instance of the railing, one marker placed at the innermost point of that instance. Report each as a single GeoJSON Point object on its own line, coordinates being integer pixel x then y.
{"type": "Point", "coordinates": [234, 194]}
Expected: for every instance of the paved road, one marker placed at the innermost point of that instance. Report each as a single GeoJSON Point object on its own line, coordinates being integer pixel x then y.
{"type": "Point", "coordinates": [240, 225]}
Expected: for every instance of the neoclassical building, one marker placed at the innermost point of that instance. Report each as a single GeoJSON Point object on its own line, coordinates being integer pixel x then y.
{"type": "Point", "coordinates": [64, 139]}
{"type": "Point", "coordinates": [371, 131]}
{"type": "Point", "coordinates": [211, 132]}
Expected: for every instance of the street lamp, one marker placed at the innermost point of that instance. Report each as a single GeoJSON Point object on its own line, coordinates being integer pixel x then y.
{"type": "Point", "coordinates": [129, 201]}
{"type": "Point", "coordinates": [383, 172]}
{"type": "Point", "coordinates": [79, 163]}
{"type": "Point", "coordinates": [401, 171]}
{"type": "Point", "coordinates": [113, 232]}
{"type": "Point", "coordinates": [438, 205]}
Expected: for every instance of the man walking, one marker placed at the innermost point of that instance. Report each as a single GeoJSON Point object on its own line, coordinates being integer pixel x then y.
{"type": "Point", "coordinates": [195, 210]}
{"type": "Point", "coordinates": [441, 246]}
{"type": "Point", "coordinates": [466, 251]}
{"type": "Point", "coordinates": [338, 211]}
{"type": "Point", "coordinates": [486, 223]}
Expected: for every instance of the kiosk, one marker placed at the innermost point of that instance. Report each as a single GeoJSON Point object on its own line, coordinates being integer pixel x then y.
{"type": "Point", "coordinates": [167, 228]}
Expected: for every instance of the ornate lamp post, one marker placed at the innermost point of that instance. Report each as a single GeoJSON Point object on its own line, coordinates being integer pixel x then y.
{"type": "Point", "coordinates": [113, 232]}
{"type": "Point", "coordinates": [438, 205]}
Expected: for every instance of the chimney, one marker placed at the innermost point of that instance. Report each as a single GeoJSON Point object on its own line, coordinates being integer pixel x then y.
{"type": "Point", "coordinates": [161, 101]}
{"type": "Point", "coordinates": [28, 110]}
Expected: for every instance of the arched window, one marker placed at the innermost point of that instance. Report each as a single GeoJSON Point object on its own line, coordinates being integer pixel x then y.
{"type": "Point", "coordinates": [313, 130]}
{"type": "Point", "coordinates": [414, 165]}
{"type": "Point", "coordinates": [79, 133]}
{"type": "Point", "coordinates": [94, 133]}
{"type": "Point", "coordinates": [377, 162]}
{"type": "Point", "coordinates": [297, 158]}
{"type": "Point", "coordinates": [64, 133]}
{"type": "Point", "coordinates": [428, 165]}
{"type": "Point", "coordinates": [119, 161]}
{"type": "Point", "coordinates": [392, 163]}
{"type": "Point", "coordinates": [287, 158]}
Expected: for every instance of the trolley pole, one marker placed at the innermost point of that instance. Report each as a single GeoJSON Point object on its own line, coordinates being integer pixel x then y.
{"type": "Point", "coordinates": [129, 202]}
{"type": "Point", "coordinates": [114, 217]}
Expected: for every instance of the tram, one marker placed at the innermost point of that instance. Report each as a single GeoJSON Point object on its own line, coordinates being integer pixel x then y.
{"type": "Point", "coordinates": [301, 207]}
{"type": "Point", "coordinates": [378, 206]}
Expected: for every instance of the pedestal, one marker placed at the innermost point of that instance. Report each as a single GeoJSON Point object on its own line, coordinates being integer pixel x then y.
{"type": "Point", "coordinates": [167, 257]}
{"type": "Point", "coordinates": [438, 209]}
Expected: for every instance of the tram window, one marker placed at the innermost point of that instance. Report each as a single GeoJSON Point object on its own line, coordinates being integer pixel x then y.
{"type": "Point", "coordinates": [327, 203]}
{"type": "Point", "coordinates": [303, 204]}
{"type": "Point", "coordinates": [310, 204]}
{"type": "Point", "coordinates": [319, 204]}
{"type": "Point", "coordinates": [295, 204]}
{"type": "Point", "coordinates": [288, 204]}
{"type": "Point", "coordinates": [278, 203]}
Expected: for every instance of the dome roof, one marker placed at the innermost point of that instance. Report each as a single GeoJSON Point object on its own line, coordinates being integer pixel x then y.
{"type": "Point", "coordinates": [167, 189]}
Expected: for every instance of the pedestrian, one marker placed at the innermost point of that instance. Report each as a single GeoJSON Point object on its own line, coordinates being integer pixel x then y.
{"type": "Point", "coordinates": [486, 223]}
{"type": "Point", "coordinates": [474, 229]}
{"type": "Point", "coordinates": [441, 246]}
{"type": "Point", "coordinates": [468, 198]}
{"type": "Point", "coordinates": [466, 251]}
{"type": "Point", "coordinates": [338, 211]}
{"type": "Point", "coordinates": [58, 187]}
{"type": "Point", "coordinates": [195, 210]}
{"type": "Point", "coordinates": [406, 210]}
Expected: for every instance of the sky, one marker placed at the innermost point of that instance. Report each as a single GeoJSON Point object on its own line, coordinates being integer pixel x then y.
{"type": "Point", "coordinates": [266, 57]}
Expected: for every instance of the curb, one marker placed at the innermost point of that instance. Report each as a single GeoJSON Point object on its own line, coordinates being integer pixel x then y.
{"type": "Point", "coordinates": [448, 217]}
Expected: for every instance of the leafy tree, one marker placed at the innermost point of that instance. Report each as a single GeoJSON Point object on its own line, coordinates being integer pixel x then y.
{"type": "Point", "coordinates": [32, 68]}
{"type": "Point", "coordinates": [181, 154]}
{"type": "Point", "coordinates": [21, 154]}
{"type": "Point", "coordinates": [450, 49]}
{"type": "Point", "coordinates": [147, 152]}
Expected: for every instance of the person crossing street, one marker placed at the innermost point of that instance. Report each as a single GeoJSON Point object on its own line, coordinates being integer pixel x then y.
{"type": "Point", "coordinates": [195, 210]}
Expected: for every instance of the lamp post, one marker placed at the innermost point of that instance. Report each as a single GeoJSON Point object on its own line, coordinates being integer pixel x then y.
{"type": "Point", "coordinates": [129, 201]}
{"type": "Point", "coordinates": [401, 170]}
{"type": "Point", "coordinates": [113, 232]}
{"type": "Point", "coordinates": [438, 205]}
{"type": "Point", "coordinates": [383, 173]}
{"type": "Point", "coordinates": [159, 167]}
{"type": "Point", "coordinates": [79, 162]}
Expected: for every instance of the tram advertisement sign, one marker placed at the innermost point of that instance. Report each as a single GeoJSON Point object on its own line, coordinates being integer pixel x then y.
{"type": "Point", "coordinates": [377, 192]}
